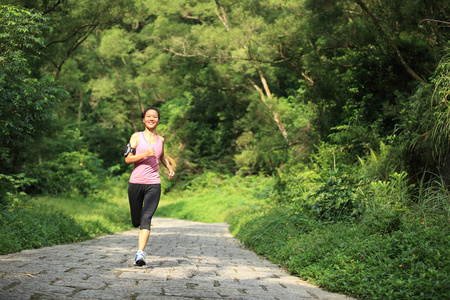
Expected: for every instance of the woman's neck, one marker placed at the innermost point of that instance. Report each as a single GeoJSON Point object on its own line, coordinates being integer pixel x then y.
{"type": "Point", "coordinates": [150, 135]}
{"type": "Point", "coordinates": [150, 131]}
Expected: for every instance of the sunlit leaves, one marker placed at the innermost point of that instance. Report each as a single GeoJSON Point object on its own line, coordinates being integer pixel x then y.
{"type": "Point", "coordinates": [115, 43]}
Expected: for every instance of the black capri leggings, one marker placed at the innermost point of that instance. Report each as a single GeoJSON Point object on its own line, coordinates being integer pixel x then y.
{"type": "Point", "coordinates": [144, 199]}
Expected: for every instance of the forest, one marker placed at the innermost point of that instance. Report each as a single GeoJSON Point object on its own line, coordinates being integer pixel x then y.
{"type": "Point", "coordinates": [333, 113]}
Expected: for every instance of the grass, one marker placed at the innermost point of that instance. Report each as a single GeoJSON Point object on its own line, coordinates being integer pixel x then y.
{"type": "Point", "coordinates": [106, 213]}
{"type": "Point", "coordinates": [205, 205]}
{"type": "Point", "coordinates": [211, 198]}
{"type": "Point", "coordinates": [46, 220]}
{"type": "Point", "coordinates": [411, 263]}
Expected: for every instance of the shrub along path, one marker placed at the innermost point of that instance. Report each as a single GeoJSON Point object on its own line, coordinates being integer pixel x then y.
{"type": "Point", "coordinates": [186, 260]}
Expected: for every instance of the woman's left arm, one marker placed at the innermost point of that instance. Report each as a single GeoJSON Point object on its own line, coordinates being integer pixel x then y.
{"type": "Point", "coordinates": [165, 161]}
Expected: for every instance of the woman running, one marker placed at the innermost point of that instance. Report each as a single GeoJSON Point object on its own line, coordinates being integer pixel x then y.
{"type": "Point", "coordinates": [145, 150]}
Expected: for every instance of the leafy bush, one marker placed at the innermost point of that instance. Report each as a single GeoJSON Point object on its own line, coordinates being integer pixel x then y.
{"type": "Point", "coordinates": [27, 102]}
{"type": "Point", "coordinates": [74, 172]}
{"type": "Point", "coordinates": [334, 196]}
{"type": "Point", "coordinates": [327, 156]}
{"type": "Point", "coordinates": [294, 184]}
{"type": "Point", "coordinates": [383, 203]}
{"type": "Point", "coordinates": [380, 164]}
{"type": "Point", "coordinates": [329, 195]}
{"type": "Point", "coordinates": [48, 220]}
{"type": "Point", "coordinates": [431, 201]}
{"type": "Point", "coordinates": [412, 263]}
{"type": "Point", "coordinates": [13, 186]}
{"type": "Point", "coordinates": [353, 140]}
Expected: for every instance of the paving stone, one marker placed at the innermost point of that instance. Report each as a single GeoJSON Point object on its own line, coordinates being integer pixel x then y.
{"type": "Point", "coordinates": [186, 260]}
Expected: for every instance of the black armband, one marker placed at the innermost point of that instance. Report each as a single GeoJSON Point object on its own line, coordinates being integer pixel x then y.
{"type": "Point", "coordinates": [129, 150]}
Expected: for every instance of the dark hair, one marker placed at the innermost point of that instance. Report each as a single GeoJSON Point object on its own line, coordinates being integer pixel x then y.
{"type": "Point", "coordinates": [147, 109]}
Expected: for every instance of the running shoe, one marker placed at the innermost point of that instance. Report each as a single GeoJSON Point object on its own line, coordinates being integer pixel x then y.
{"type": "Point", "coordinates": [139, 260]}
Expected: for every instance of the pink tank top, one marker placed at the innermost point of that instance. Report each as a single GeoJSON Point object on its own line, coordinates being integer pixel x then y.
{"type": "Point", "coordinates": [146, 171]}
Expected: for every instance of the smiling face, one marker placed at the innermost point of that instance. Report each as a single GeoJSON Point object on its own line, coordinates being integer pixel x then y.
{"type": "Point", "coordinates": [151, 119]}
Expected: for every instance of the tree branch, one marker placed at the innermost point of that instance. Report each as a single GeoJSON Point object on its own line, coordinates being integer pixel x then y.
{"type": "Point", "coordinates": [99, 59]}
{"type": "Point", "coordinates": [264, 82]}
{"type": "Point", "coordinates": [72, 49]}
{"type": "Point", "coordinates": [141, 106]}
{"type": "Point", "coordinates": [51, 9]}
{"type": "Point", "coordinates": [390, 42]}
{"type": "Point", "coordinates": [295, 67]}
{"type": "Point", "coordinates": [74, 33]}
{"type": "Point", "coordinates": [436, 21]}
{"type": "Point", "coordinates": [269, 105]}
{"type": "Point", "coordinates": [223, 18]}
{"type": "Point", "coordinates": [187, 16]}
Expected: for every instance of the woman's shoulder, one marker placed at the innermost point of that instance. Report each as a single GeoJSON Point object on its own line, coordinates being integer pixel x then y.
{"type": "Point", "coordinates": [162, 139]}
{"type": "Point", "coordinates": [135, 135]}
{"type": "Point", "coordinates": [134, 138]}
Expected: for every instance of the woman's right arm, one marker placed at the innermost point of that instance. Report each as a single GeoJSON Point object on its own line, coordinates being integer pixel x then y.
{"type": "Point", "coordinates": [132, 158]}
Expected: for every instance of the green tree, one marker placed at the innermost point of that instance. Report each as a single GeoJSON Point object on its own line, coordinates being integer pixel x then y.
{"type": "Point", "coordinates": [70, 26]}
{"type": "Point", "coordinates": [365, 58]}
{"type": "Point", "coordinates": [239, 54]}
{"type": "Point", "coordinates": [27, 103]}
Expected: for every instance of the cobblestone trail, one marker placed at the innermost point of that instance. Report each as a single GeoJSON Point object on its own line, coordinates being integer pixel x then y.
{"type": "Point", "coordinates": [185, 260]}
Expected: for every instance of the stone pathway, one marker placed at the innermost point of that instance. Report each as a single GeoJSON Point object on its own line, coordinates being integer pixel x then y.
{"type": "Point", "coordinates": [186, 260]}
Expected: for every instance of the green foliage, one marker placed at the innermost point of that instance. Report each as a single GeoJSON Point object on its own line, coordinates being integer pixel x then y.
{"type": "Point", "coordinates": [381, 163]}
{"type": "Point", "coordinates": [69, 172]}
{"type": "Point", "coordinates": [327, 156]}
{"type": "Point", "coordinates": [12, 187]}
{"type": "Point", "coordinates": [211, 197]}
{"type": "Point", "coordinates": [239, 95]}
{"type": "Point", "coordinates": [431, 201]}
{"type": "Point", "coordinates": [342, 257]}
{"type": "Point", "coordinates": [294, 185]}
{"type": "Point", "coordinates": [360, 80]}
{"type": "Point", "coordinates": [32, 225]}
{"type": "Point", "coordinates": [425, 123]}
{"type": "Point", "coordinates": [27, 102]}
{"type": "Point", "coordinates": [20, 32]}
{"type": "Point", "coordinates": [385, 203]}
{"type": "Point", "coordinates": [349, 193]}
{"type": "Point", "coordinates": [334, 197]}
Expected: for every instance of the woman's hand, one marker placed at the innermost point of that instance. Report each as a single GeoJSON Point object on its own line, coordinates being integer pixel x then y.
{"type": "Point", "coordinates": [150, 152]}
{"type": "Point", "coordinates": [171, 174]}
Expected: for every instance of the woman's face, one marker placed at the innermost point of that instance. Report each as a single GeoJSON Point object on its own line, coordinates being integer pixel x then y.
{"type": "Point", "coordinates": [151, 119]}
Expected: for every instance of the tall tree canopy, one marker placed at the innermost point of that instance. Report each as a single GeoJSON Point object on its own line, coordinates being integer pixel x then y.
{"type": "Point", "coordinates": [242, 85]}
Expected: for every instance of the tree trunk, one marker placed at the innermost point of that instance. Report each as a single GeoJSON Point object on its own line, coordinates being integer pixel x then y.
{"type": "Point", "coordinates": [141, 106]}
{"type": "Point", "coordinates": [79, 112]}
{"type": "Point", "coordinates": [275, 113]}
{"type": "Point", "coordinates": [269, 105]}
{"type": "Point", "coordinates": [133, 118]}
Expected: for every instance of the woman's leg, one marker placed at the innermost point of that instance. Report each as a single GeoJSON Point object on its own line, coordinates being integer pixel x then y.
{"type": "Point", "coordinates": [144, 234]}
{"type": "Point", "coordinates": [136, 199]}
{"type": "Point", "coordinates": [151, 201]}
